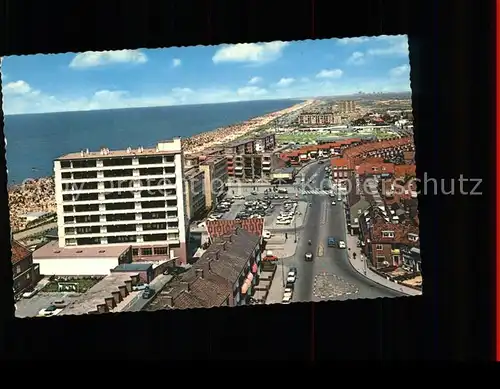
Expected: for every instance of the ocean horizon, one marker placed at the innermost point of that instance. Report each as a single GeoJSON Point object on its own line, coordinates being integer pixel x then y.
{"type": "Point", "coordinates": [35, 140]}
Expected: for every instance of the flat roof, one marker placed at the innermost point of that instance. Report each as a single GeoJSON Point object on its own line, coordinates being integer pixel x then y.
{"type": "Point", "coordinates": [166, 147]}
{"type": "Point", "coordinates": [36, 214]}
{"type": "Point", "coordinates": [96, 295]}
{"type": "Point", "coordinates": [284, 170]}
{"type": "Point", "coordinates": [52, 251]}
{"type": "Point", "coordinates": [134, 266]}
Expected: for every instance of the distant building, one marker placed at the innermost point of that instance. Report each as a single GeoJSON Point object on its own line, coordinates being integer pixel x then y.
{"type": "Point", "coordinates": [283, 175]}
{"type": "Point", "coordinates": [194, 187]}
{"type": "Point", "coordinates": [119, 197]}
{"type": "Point", "coordinates": [215, 175]}
{"type": "Point", "coordinates": [346, 106]}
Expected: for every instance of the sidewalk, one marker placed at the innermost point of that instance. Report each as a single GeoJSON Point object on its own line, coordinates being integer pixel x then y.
{"type": "Point", "coordinates": [275, 294]}
{"type": "Point", "coordinates": [360, 265]}
{"type": "Point", "coordinates": [282, 248]}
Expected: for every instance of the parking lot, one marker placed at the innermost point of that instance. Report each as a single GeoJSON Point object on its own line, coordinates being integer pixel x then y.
{"type": "Point", "coordinates": [277, 209]}
{"type": "Point", "coordinates": [30, 307]}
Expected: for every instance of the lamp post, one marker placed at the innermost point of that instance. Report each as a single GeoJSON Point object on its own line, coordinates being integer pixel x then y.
{"type": "Point", "coordinates": [283, 273]}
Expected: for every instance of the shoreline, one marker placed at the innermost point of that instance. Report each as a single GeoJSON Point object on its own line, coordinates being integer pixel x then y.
{"type": "Point", "coordinates": [38, 195]}
{"type": "Point", "coordinates": [198, 143]}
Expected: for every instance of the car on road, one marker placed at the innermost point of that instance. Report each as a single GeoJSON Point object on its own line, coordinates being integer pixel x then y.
{"type": "Point", "coordinates": [238, 197]}
{"type": "Point", "coordinates": [293, 270]}
{"type": "Point", "coordinates": [148, 293]}
{"type": "Point", "coordinates": [266, 234]}
{"type": "Point", "coordinates": [334, 203]}
{"type": "Point", "coordinates": [332, 242]}
{"type": "Point", "coordinates": [30, 293]}
{"type": "Point", "coordinates": [253, 193]}
{"type": "Point", "coordinates": [309, 256]}
{"type": "Point", "coordinates": [51, 310]}
{"type": "Point", "coordinates": [287, 295]}
{"type": "Point", "coordinates": [291, 277]}
{"type": "Point", "coordinates": [341, 244]}
{"type": "Point", "coordinates": [321, 162]}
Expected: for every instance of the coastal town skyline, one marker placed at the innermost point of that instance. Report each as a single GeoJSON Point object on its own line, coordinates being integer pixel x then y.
{"type": "Point", "coordinates": [231, 73]}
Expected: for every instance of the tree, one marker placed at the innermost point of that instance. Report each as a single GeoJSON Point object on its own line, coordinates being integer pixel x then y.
{"type": "Point", "coordinates": [288, 163]}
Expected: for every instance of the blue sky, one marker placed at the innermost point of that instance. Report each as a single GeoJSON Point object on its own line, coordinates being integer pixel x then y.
{"type": "Point", "coordinates": [204, 74]}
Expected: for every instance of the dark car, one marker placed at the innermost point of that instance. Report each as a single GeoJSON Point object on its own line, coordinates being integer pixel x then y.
{"type": "Point", "coordinates": [148, 293]}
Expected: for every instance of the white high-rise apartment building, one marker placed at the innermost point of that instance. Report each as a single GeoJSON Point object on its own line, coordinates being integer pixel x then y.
{"type": "Point", "coordinates": [118, 197]}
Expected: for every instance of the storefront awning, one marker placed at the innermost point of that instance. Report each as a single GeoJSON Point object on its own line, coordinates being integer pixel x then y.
{"type": "Point", "coordinates": [245, 286]}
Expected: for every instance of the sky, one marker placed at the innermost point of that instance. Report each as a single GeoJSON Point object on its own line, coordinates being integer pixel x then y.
{"type": "Point", "coordinates": [204, 74]}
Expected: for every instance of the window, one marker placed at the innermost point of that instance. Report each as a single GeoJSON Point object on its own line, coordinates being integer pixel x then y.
{"type": "Point", "coordinates": [147, 251]}
{"type": "Point", "coordinates": [412, 237]}
{"type": "Point", "coordinates": [135, 252]}
{"type": "Point", "coordinates": [379, 247]}
{"type": "Point", "coordinates": [388, 234]}
{"type": "Point", "coordinates": [380, 258]}
{"type": "Point", "coordinates": [18, 269]}
{"type": "Point", "coordinates": [160, 251]}
{"type": "Point", "coordinates": [28, 275]}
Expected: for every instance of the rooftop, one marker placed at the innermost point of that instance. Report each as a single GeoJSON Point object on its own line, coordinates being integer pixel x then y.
{"type": "Point", "coordinates": [284, 170]}
{"type": "Point", "coordinates": [19, 252]}
{"type": "Point", "coordinates": [96, 295]}
{"type": "Point", "coordinates": [52, 251]}
{"type": "Point", "coordinates": [167, 147]}
{"type": "Point", "coordinates": [36, 214]}
{"type": "Point", "coordinates": [137, 266]}
{"type": "Point", "coordinates": [218, 228]}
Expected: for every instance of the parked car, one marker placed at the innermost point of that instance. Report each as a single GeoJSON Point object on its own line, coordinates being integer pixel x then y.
{"type": "Point", "coordinates": [30, 293]}
{"type": "Point", "coordinates": [291, 277]}
{"type": "Point", "coordinates": [148, 293]}
{"type": "Point", "coordinates": [341, 244]}
{"type": "Point", "coordinates": [51, 310]}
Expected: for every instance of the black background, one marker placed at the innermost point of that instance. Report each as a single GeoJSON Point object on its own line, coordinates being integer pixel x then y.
{"type": "Point", "coordinates": [451, 47]}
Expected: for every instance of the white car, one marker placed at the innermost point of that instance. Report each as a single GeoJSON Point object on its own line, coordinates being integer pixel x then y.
{"type": "Point", "coordinates": [283, 221]}
{"type": "Point", "coordinates": [287, 299]}
{"type": "Point", "coordinates": [341, 244]}
{"type": "Point", "coordinates": [290, 279]}
{"type": "Point", "coordinates": [238, 197]}
{"type": "Point", "coordinates": [49, 311]}
{"type": "Point", "coordinates": [334, 203]}
{"type": "Point", "coordinates": [266, 234]}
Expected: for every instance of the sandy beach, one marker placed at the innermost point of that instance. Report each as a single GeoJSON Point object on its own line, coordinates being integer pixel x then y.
{"type": "Point", "coordinates": [39, 195]}
{"type": "Point", "coordinates": [200, 142]}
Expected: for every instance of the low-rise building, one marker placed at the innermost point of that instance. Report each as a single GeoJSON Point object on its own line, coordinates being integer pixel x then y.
{"type": "Point", "coordinates": [112, 294]}
{"type": "Point", "coordinates": [283, 175]}
{"type": "Point", "coordinates": [383, 238]}
{"type": "Point", "coordinates": [25, 273]}
{"type": "Point", "coordinates": [225, 275]}
{"type": "Point", "coordinates": [80, 261]}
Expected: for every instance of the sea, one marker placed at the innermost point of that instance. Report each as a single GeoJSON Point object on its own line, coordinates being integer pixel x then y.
{"type": "Point", "coordinates": [35, 140]}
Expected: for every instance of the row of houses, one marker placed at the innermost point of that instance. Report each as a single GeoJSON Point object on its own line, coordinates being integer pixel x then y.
{"type": "Point", "coordinates": [227, 273]}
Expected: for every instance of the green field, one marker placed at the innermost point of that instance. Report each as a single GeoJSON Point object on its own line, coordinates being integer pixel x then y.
{"type": "Point", "coordinates": [312, 137]}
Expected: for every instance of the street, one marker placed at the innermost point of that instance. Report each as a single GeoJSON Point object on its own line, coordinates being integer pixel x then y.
{"type": "Point", "coordinates": [330, 275]}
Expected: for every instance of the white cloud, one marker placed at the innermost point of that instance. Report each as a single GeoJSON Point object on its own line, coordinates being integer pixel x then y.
{"type": "Point", "coordinates": [284, 82]}
{"type": "Point", "coordinates": [356, 58]}
{"type": "Point", "coordinates": [333, 73]}
{"type": "Point", "coordinates": [400, 71]}
{"type": "Point", "coordinates": [176, 62]}
{"type": "Point", "coordinates": [254, 80]}
{"type": "Point", "coordinates": [94, 58]}
{"type": "Point", "coordinates": [348, 41]}
{"type": "Point", "coordinates": [251, 91]}
{"type": "Point", "coordinates": [393, 45]}
{"type": "Point", "coordinates": [250, 52]}
{"type": "Point", "coordinates": [20, 97]}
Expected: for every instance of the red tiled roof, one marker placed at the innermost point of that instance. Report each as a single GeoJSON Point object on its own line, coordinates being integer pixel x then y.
{"type": "Point", "coordinates": [401, 232]}
{"type": "Point", "coordinates": [381, 168]}
{"type": "Point", "coordinates": [340, 163]}
{"type": "Point", "coordinates": [218, 228]}
{"type": "Point", "coordinates": [403, 170]}
{"type": "Point", "coordinates": [19, 252]}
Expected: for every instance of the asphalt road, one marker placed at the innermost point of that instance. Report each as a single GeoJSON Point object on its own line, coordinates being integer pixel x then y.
{"type": "Point", "coordinates": [329, 276]}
